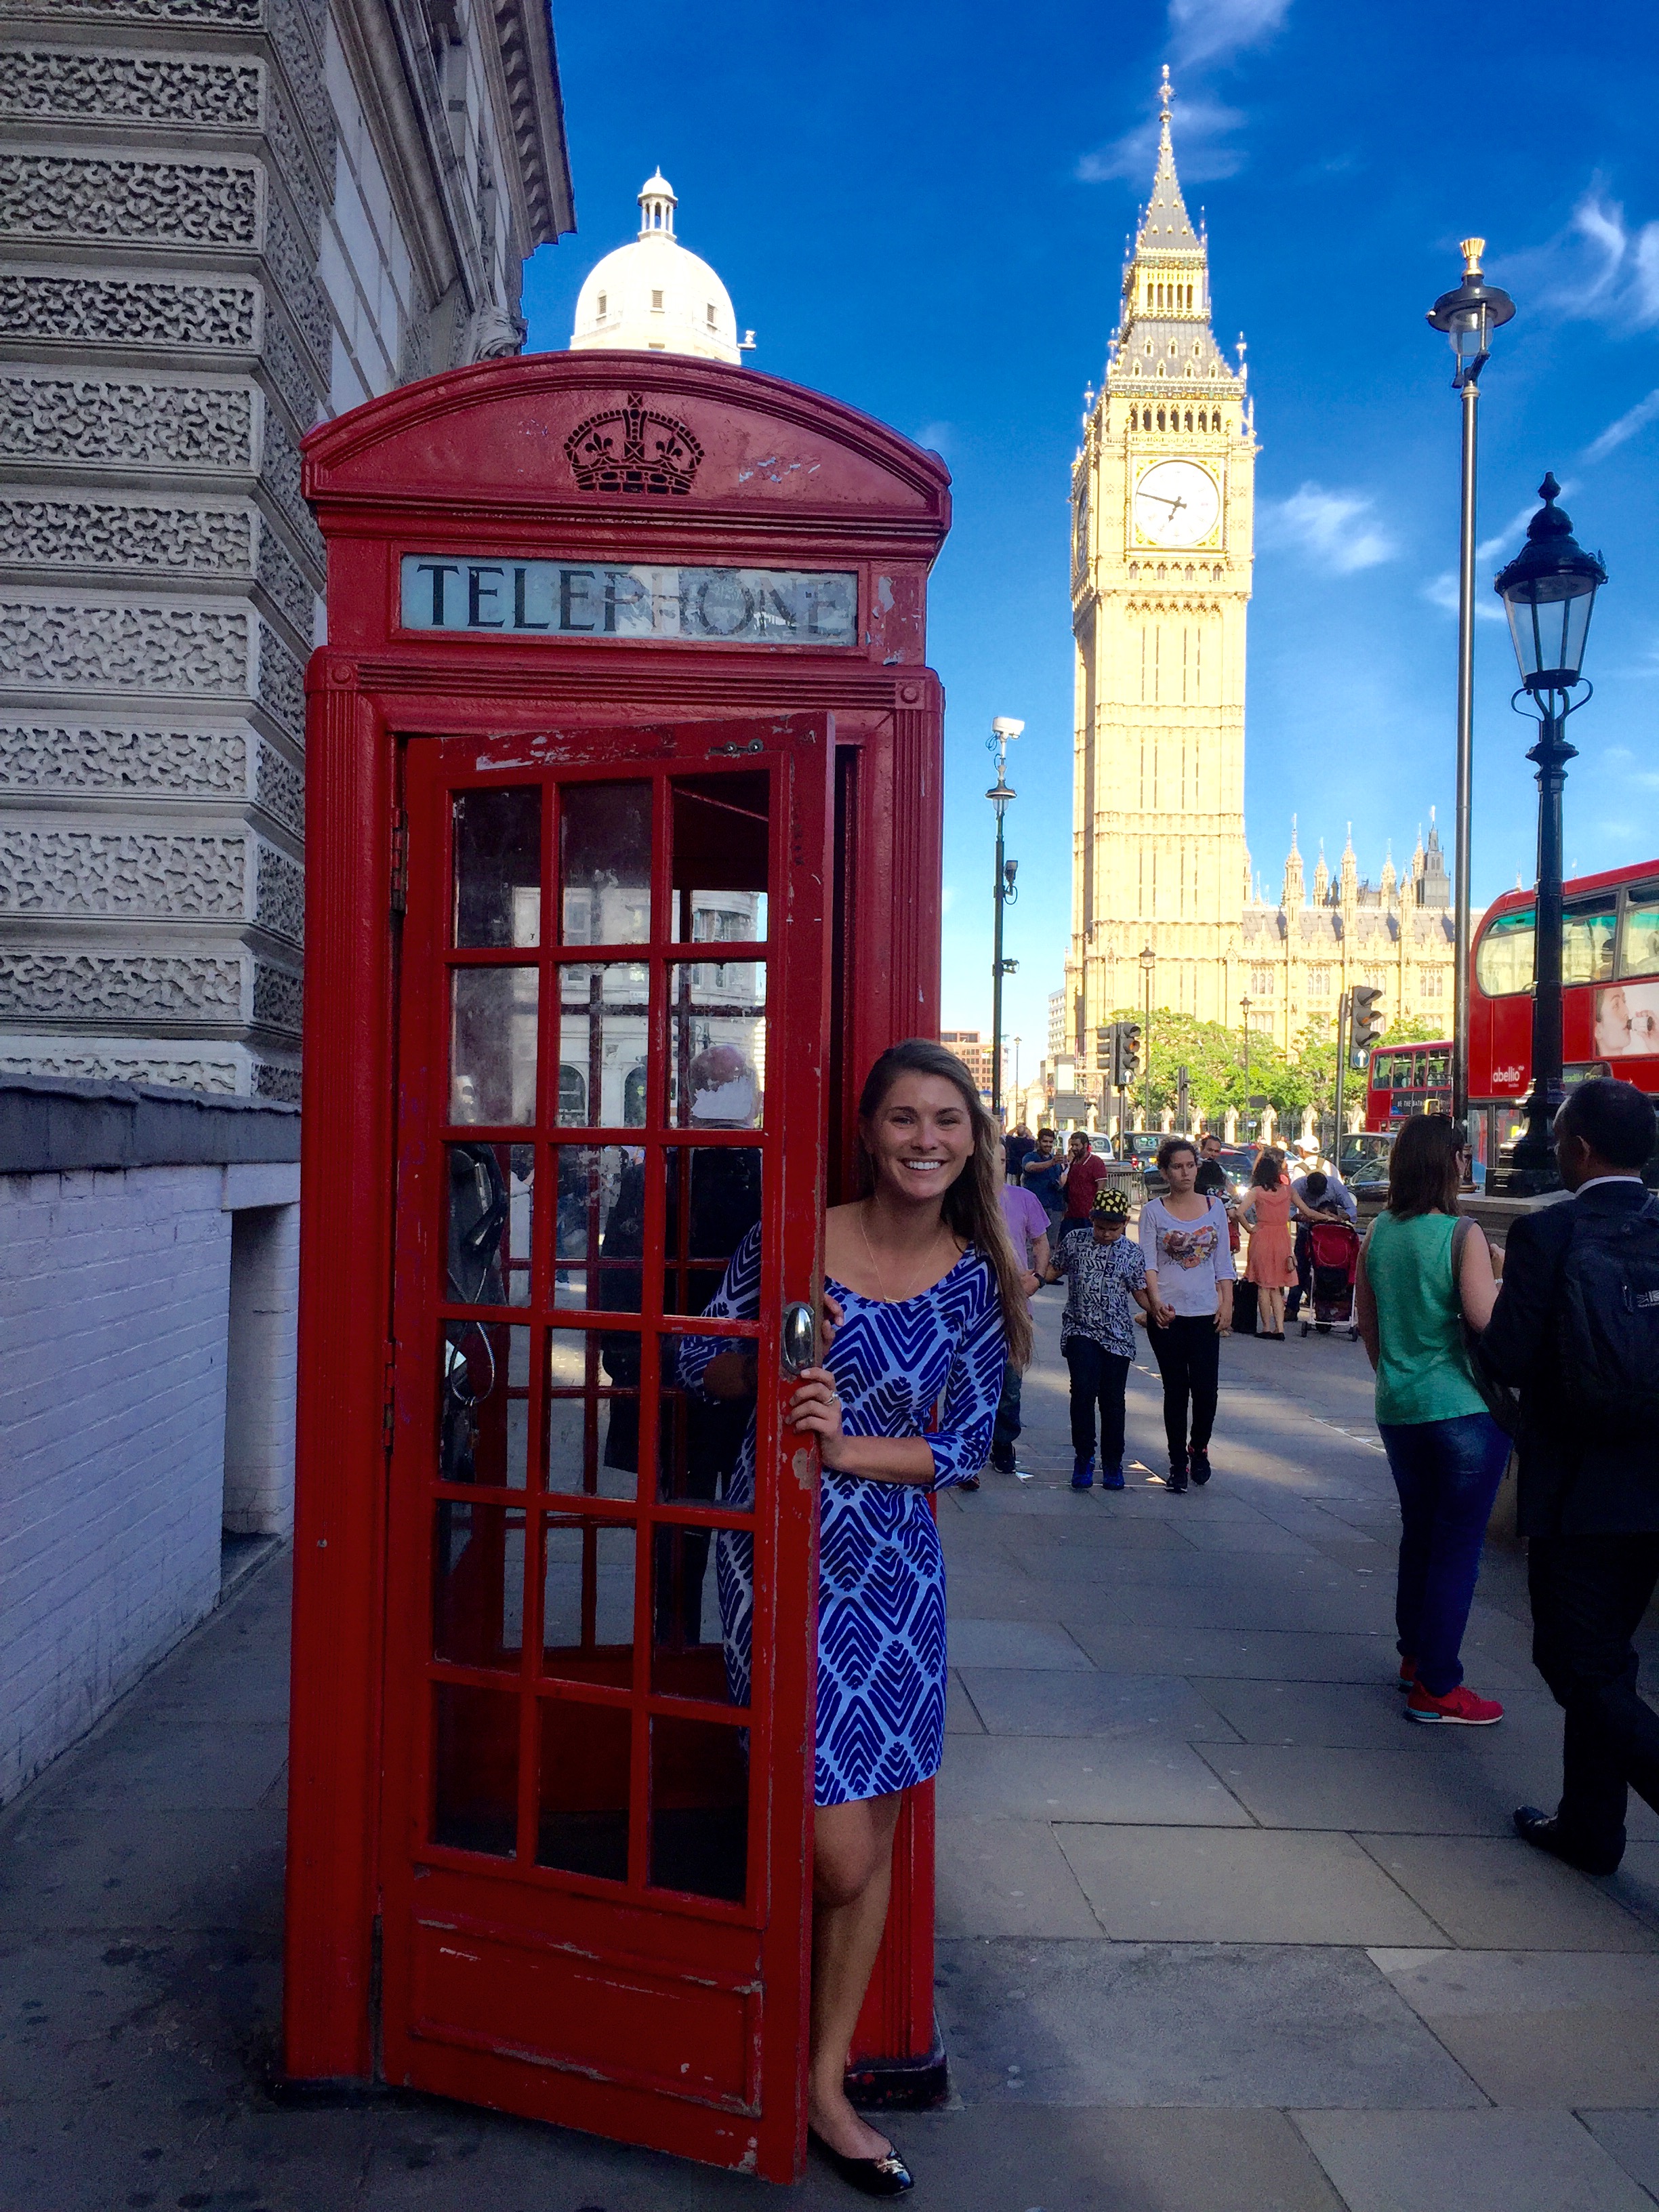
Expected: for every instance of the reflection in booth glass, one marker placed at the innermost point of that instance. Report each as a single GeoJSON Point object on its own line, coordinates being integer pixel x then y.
{"type": "Point", "coordinates": [498, 867]}
{"type": "Point", "coordinates": [605, 863]}
{"type": "Point", "coordinates": [478, 1584]}
{"type": "Point", "coordinates": [491, 1194]}
{"type": "Point", "coordinates": [604, 1030]}
{"type": "Point", "coordinates": [581, 1402]}
{"type": "Point", "coordinates": [717, 1047]}
{"type": "Point", "coordinates": [588, 1600]}
{"type": "Point", "coordinates": [475, 1769]}
{"type": "Point", "coordinates": [492, 1048]}
{"type": "Point", "coordinates": [582, 1788]}
{"type": "Point", "coordinates": [483, 1407]}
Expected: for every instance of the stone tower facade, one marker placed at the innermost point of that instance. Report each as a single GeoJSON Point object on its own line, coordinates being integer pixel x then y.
{"type": "Point", "coordinates": [221, 220]}
{"type": "Point", "coordinates": [1162, 502]}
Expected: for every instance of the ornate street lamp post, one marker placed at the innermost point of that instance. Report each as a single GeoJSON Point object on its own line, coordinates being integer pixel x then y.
{"type": "Point", "coordinates": [1548, 591]}
{"type": "Point", "coordinates": [1244, 1008]}
{"type": "Point", "coordinates": [1004, 730]}
{"type": "Point", "coordinates": [1148, 962]}
{"type": "Point", "coordinates": [1468, 316]}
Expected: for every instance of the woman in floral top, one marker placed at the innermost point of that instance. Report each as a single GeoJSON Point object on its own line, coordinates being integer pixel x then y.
{"type": "Point", "coordinates": [1189, 1272]}
{"type": "Point", "coordinates": [1107, 1279]}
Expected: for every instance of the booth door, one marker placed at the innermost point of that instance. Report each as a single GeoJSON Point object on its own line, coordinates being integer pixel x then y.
{"type": "Point", "coordinates": [601, 1581]}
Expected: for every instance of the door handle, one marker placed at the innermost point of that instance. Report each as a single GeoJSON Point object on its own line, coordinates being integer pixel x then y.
{"type": "Point", "coordinates": [798, 1339]}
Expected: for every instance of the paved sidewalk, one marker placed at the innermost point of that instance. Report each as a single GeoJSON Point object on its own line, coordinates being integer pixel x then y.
{"type": "Point", "coordinates": [1219, 1930]}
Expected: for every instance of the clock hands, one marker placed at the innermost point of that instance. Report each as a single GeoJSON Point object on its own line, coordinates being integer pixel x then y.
{"type": "Point", "coordinates": [1175, 505]}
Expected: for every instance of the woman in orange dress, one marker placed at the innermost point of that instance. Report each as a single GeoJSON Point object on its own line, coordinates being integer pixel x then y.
{"type": "Point", "coordinates": [1272, 1263]}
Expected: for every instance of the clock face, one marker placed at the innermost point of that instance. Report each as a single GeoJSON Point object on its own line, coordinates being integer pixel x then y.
{"type": "Point", "coordinates": [1176, 503]}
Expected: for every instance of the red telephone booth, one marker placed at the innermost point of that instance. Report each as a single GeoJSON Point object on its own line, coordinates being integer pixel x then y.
{"type": "Point", "coordinates": [623, 774]}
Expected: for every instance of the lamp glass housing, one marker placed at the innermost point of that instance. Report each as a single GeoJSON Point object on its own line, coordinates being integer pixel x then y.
{"type": "Point", "coordinates": [1467, 328]}
{"type": "Point", "coordinates": [1549, 620]}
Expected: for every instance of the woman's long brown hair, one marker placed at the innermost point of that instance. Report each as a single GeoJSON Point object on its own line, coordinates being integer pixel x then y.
{"type": "Point", "coordinates": [969, 1208]}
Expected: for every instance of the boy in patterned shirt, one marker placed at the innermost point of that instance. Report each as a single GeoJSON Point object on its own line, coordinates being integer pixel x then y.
{"type": "Point", "coordinates": [1106, 1277]}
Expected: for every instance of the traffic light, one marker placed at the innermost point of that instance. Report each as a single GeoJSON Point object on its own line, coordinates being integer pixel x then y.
{"type": "Point", "coordinates": [1129, 1054]}
{"type": "Point", "coordinates": [1106, 1048]}
{"type": "Point", "coordinates": [1365, 1016]}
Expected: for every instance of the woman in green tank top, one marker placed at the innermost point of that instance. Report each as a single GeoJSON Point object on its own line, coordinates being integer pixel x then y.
{"type": "Point", "coordinates": [1446, 1453]}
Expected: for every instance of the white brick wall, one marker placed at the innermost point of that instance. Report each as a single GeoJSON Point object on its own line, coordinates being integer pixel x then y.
{"type": "Point", "coordinates": [114, 1301]}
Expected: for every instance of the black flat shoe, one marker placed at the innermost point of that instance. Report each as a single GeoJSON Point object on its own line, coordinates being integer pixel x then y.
{"type": "Point", "coordinates": [1543, 1831]}
{"type": "Point", "coordinates": [871, 2177]}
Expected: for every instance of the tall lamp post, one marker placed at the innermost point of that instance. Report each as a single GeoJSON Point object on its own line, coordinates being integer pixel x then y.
{"type": "Point", "coordinates": [1244, 1008]}
{"type": "Point", "coordinates": [1468, 316]}
{"type": "Point", "coordinates": [1148, 962]}
{"type": "Point", "coordinates": [1548, 591]}
{"type": "Point", "coordinates": [1004, 730]}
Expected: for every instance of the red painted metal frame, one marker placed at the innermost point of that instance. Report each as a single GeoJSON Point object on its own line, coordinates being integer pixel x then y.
{"type": "Point", "coordinates": [473, 462]}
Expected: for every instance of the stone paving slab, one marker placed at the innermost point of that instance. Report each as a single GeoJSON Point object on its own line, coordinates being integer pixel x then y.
{"type": "Point", "coordinates": [1013, 1644]}
{"type": "Point", "coordinates": [1081, 2023]}
{"type": "Point", "coordinates": [1632, 2138]}
{"type": "Point", "coordinates": [1003, 1877]}
{"type": "Point", "coordinates": [1294, 1655]}
{"type": "Point", "coordinates": [1388, 1792]}
{"type": "Point", "coordinates": [1008, 1701]}
{"type": "Point", "coordinates": [1468, 2162]}
{"type": "Point", "coordinates": [1498, 1894]}
{"type": "Point", "coordinates": [1140, 1778]}
{"type": "Point", "coordinates": [1250, 1885]}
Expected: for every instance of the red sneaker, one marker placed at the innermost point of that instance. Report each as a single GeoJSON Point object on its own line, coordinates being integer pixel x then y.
{"type": "Point", "coordinates": [1460, 1705]}
{"type": "Point", "coordinates": [1409, 1673]}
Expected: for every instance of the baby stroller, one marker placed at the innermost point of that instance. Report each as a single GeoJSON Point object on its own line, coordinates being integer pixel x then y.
{"type": "Point", "coordinates": [1333, 1258]}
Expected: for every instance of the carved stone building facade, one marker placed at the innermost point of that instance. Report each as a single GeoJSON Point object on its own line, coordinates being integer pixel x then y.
{"type": "Point", "coordinates": [219, 220]}
{"type": "Point", "coordinates": [1302, 951]}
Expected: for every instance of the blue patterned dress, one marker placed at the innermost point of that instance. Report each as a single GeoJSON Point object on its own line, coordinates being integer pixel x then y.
{"type": "Point", "coordinates": [881, 1574]}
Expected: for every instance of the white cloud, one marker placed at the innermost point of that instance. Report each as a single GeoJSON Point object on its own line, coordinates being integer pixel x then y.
{"type": "Point", "coordinates": [947, 898]}
{"type": "Point", "coordinates": [934, 437]}
{"type": "Point", "coordinates": [1215, 30]}
{"type": "Point", "coordinates": [1599, 269]}
{"type": "Point", "coordinates": [1200, 127]}
{"type": "Point", "coordinates": [1335, 529]}
{"type": "Point", "coordinates": [1203, 34]}
{"type": "Point", "coordinates": [1442, 592]}
{"type": "Point", "coordinates": [1634, 419]}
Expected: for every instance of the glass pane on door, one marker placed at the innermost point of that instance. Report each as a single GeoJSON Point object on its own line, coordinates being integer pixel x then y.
{"type": "Point", "coordinates": [492, 1053]}
{"type": "Point", "coordinates": [605, 863]}
{"type": "Point", "coordinates": [498, 867]}
{"type": "Point", "coordinates": [491, 1194]}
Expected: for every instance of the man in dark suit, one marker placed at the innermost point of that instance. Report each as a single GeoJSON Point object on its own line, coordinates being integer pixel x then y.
{"type": "Point", "coordinates": [1589, 1505]}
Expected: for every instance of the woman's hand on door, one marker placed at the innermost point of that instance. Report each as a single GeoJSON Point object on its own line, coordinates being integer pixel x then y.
{"type": "Point", "coordinates": [830, 1319]}
{"type": "Point", "coordinates": [815, 1409]}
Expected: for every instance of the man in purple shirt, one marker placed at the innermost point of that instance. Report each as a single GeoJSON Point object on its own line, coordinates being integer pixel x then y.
{"type": "Point", "coordinates": [1028, 1232]}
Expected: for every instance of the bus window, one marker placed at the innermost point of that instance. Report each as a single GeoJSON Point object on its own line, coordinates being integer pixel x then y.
{"type": "Point", "coordinates": [1586, 944]}
{"type": "Point", "coordinates": [1503, 965]}
{"type": "Point", "coordinates": [1437, 1068]}
{"type": "Point", "coordinates": [1639, 940]}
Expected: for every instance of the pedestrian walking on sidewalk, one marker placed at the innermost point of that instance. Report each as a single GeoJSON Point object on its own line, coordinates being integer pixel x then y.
{"type": "Point", "coordinates": [1270, 1263]}
{"type": "Point", "coordinates": [1105, 1275]}
{"type": "Point", "coordinates": [1576, 1327]}
{"type": "Point", "coordinates": [1423, 1273]}
{"type": "Point", "coordinates": [1084, 1173]}
{"type": "Point", "coordinates": [1044, 1176]}
{"type": "Point", "coordinates": [1189, 1279]}
{"type": "Point", "coordinates": [1028, 1232]}
{"type": "Point", "coordinates": [927, 1304]}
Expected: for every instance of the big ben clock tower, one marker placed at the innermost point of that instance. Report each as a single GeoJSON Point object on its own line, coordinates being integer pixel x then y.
{"type": "Point", "coordinates": [1162, 494]}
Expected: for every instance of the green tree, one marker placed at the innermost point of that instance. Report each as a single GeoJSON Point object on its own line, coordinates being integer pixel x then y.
{"type": "Point", "coordinates": [1422, 1028]}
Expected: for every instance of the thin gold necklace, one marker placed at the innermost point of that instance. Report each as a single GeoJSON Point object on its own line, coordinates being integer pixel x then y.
{"type": "Point", "coordinates": [881, 1279]}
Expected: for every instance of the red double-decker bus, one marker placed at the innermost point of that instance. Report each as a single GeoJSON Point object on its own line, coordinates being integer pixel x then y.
{"type": "Point", "coordinates": [1609, 1009]}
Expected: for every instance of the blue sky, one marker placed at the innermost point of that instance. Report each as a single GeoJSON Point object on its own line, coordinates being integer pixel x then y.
{"type": "Point", "coordinates": [922, 209]}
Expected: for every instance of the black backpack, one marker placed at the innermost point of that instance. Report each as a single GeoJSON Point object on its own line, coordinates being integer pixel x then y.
{"type": "Point", "coordinates": [1609, 1321]}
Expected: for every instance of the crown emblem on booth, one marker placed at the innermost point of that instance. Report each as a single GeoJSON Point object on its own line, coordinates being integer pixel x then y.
{"type": "Point", "coordinates": [633, 448]}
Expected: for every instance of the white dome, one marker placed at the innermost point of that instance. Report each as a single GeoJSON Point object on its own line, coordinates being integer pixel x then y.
{"type": "Point", "coordinates": [653, 296]}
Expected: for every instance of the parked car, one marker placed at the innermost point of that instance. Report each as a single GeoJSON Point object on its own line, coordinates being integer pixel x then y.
{"type": "Point", "coordinates": [1363, 1164]}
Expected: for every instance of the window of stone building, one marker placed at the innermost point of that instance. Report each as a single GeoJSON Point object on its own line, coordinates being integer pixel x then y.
{"type": "Point", "coordinates": [1261, 983]}
{"type": "Point", "coordinates": [601, 305]}
{"type": "Point", "coordinates": [1429, 983]}
{"type": "Point", "coordinates": [1319, 982]}
{"type": "Point", "coordinates": [656, 302]}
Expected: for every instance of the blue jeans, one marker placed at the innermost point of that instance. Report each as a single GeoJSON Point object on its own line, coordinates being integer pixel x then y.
{"type": "Point", "coordinates": [1447, 1473]}
{"type": "Point", "coordinates": [1007, 1428]}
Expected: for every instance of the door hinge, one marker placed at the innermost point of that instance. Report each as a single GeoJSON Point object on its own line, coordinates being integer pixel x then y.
{"type": "Point", "coordinates": [388, 1394]}
{"type": "Point", "coordinates": [400, 861]}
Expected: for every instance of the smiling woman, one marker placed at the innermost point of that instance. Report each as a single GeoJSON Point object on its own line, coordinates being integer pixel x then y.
{"type": "Point", "coordinates": [924, 1303]}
